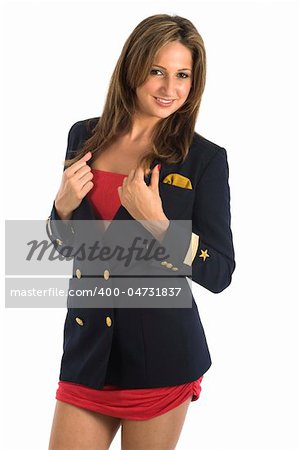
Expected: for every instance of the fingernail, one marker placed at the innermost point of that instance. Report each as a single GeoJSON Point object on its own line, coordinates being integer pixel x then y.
{"type": "Point", "coordinates": [159, 167]}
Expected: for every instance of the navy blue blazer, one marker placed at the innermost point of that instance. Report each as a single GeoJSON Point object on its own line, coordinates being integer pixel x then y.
{"type": "Point", "coordinates": [150, 347]}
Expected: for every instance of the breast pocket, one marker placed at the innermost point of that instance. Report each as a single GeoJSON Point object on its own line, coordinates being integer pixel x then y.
{"type": "Point", "coordinates": [177, 201]}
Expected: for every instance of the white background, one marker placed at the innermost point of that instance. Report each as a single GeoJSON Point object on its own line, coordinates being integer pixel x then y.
{"type": "Point", "coordinates": [57, 59]}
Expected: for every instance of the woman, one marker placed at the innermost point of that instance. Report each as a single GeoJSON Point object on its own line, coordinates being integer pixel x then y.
{"type": "Point", "coordinates": [142, 161]}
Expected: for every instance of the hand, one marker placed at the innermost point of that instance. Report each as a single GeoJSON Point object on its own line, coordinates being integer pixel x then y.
{"type": "Point", "coordinates": [76, 183]}
{"type": "Point", "coordinates": [144, 202]}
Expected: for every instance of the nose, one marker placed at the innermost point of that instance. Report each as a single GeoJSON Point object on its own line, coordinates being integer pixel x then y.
{"type": "Point", "coordinates": [169, 87]}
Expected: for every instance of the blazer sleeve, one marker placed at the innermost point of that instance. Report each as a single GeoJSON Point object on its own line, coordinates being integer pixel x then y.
{"type": "Point", "coordinates": [214, 260]}
{"type": "Point", "coordinates": [61, 233]}
{"type": "Point", "coordinates": [175, 244]}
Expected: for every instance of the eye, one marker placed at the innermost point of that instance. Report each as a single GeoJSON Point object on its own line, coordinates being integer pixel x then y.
{"type": "Point", "coordinates": [184, 75]}
{"type": "Point", "coordinates": [154, 71]}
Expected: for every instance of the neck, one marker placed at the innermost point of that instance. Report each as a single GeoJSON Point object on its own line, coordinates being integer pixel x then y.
{"type": "Point", "coordinates": [142, 128]}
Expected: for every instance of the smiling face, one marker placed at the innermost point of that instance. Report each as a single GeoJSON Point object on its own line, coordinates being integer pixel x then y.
{"type": "Point", "coordinates": [168, 84]}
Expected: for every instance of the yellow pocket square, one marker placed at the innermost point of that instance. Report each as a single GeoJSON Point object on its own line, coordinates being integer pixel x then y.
{"type": "Point", "coordinates": [178, 180]}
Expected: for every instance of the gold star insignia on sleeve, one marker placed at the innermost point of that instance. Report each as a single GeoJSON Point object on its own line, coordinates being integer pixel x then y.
{"type": "Point", "coordinates": [204, 254]}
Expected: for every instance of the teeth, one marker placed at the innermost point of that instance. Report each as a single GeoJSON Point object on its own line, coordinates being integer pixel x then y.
{"type": "Point", "coordinates": [163, 101]}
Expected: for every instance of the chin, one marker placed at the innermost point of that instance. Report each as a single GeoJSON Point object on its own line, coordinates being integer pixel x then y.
{"type": "Point", "coordinates": [157, 113]}
{"type": "Point", "coordinates": [163, 114]}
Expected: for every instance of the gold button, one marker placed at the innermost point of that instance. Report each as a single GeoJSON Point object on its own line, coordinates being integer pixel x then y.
{"type": "Point", "coordinates": [79, 321]}
{"type": "Point", "coordinates": [175, 268]}
{"type": "Point", "coordinates": [169, 265]}
{"type": "Point", "coordinates": [78, 273]}
{"type": "Point", "coordinates": [59, 242]}
{"type": "Point", "coordinates": [108, 321]}
{"type": "Point", "coordinates": [106, 274]}
{"type": "Point", "coordinates": [163, 263]}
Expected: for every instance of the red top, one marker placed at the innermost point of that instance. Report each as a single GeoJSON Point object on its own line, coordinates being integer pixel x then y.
{"type": "Point", "coordinates": [116, 401]}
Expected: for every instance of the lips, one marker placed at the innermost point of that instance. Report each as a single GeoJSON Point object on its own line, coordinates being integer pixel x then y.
{"type": "Point", "coordinates": [164, 101]}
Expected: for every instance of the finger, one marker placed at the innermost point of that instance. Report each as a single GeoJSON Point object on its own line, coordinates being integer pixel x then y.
{"type": "Point", "coordinates": [155, 177]}
{"type": "Point", "coordinates": [82, 172]}
{"type": "Point", "coordinates": [86, 188]}
{"type": "Point", "coordinates": [131, 175]}
{"type": "Point", "coordinates": [119, 190]}
{"type": "Point", "coordinates": [83, 176]}
{"type": "Point", "coordinates": [139, 174]}
{"type": "Point", "coordinates": [80, 163]}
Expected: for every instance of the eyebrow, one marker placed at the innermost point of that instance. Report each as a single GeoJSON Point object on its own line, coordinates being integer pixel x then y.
{"type": "Point", "coordinates": [161, 67]}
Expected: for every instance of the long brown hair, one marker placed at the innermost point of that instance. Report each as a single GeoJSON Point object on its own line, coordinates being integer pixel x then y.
{"type": "Point", "coordinates": [173, 135]}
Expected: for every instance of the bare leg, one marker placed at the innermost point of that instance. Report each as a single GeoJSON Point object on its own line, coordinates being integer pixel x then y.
{"type": "Point", "coordinates": [160, 433]}
{"type": "Point", "coordinates": [77, 428]}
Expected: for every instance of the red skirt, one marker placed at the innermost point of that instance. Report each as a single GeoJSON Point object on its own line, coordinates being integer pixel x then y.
{"type": "Point", "coordinates": [134, 404]}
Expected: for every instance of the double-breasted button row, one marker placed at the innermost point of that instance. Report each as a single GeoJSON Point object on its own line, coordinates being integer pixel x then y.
{"type": "Point", "coordinates": [81, 322]}
{"type": "Point", "coordinates": [106, 274]}
{"type": "Point", "coordinates": [169, 265]}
